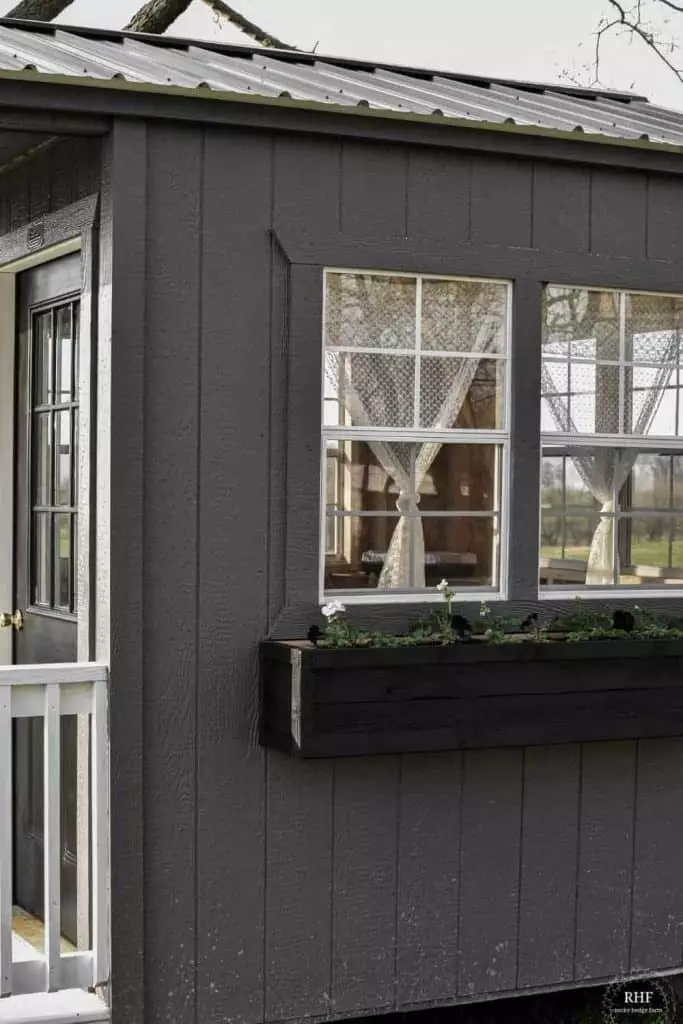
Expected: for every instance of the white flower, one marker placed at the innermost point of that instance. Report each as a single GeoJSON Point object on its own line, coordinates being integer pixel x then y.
{"type": "Point", "coordinates": [443, 586]}
{"type": "Point", "coordinates": [333, 608]}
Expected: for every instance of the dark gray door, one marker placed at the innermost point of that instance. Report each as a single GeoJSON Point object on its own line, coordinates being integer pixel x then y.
{"type": "Point", "coordinates": [44, 563]}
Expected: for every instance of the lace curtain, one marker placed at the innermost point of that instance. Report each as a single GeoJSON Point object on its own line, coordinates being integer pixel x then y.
{"type": "Point", "coordinates": [603, 470]}
{"type": "Point", "coordinates": [379, 391]}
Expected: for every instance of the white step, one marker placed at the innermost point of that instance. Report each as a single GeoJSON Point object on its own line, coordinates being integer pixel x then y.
{"type": "Point", "coordinates": [72, 1006]}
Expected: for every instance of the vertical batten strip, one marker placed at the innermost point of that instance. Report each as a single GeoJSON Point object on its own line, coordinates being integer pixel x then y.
{"type": "Point", "coordinates": [52, 839]}
{"type": "Point", "coordinates": [100, 884]}
{"type": "Point", "coordinates": [5, 841]}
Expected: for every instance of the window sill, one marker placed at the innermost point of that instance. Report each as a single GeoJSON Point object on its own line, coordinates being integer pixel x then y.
{"type": "Point", "coordinates": [387, 597]}
{"type": "Point", "coordinates": [558, 593]}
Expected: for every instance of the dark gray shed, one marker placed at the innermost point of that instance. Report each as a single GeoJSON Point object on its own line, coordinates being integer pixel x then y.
{"type": "Point", "coordinates": [227, 203]}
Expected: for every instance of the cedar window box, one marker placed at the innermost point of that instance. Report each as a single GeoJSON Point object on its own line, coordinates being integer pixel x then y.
{"type": "Point", "coordinates": [331, 702]}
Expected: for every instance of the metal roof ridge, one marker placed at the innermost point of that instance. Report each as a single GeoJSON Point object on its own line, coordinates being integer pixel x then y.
{"type": "Point", "coordinates": [305, 56]}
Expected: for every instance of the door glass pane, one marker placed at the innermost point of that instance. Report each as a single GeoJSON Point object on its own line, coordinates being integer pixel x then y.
{"type": "Point", "coordinates": [63, 584]}
{"type": "Point", "coordinates": [63, 458]}
{"type": "Point", "coordinates": [74, 563]}
{"type": "Point", "coordinates": [42, 358]}
{"type": "Point", "coordinates": [63, 354]}
{"type": "Point", "coordinates": [74, 465]}
{"type": "Point", "coordinates": [40, 573]}
{"type": "Point", "coordinates": [77, 350]}
{"type": "Point", "coordinates": [42, 458]}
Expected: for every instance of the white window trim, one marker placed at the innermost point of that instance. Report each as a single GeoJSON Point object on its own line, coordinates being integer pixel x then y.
{"type": "Point", "coordinates": [651, 443]}
{"type": "Point", "coordinates": [500, 438]}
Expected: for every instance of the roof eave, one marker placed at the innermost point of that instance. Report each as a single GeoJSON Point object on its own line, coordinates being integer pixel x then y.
{"type": "Point", "coordinates": [357, 110]}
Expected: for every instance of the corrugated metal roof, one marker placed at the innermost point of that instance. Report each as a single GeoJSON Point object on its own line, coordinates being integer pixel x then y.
{"type": "Point", "coordinates": [176, 66]}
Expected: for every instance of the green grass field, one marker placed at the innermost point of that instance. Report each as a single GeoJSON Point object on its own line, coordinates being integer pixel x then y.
{"type": "Point", "coordinates": [643, 552]}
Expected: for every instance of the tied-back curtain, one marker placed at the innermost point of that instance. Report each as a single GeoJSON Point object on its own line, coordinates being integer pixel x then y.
{"type": "Point", "coordinates": [377, 391]}
{"type": "Point", "coordinates": [404, 565]}
{"type": "Point", "coordinates": [605, 471]}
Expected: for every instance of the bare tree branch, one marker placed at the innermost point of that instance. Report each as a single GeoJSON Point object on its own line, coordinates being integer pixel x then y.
{"type": "Point", "coordinates": [39, 10]}
{"type": "Point", "coordinates": [631, 19]}
{"type": "Point", "coordinates": [251, 29]}
{"type": "Point", "coordinates": [157, 15]}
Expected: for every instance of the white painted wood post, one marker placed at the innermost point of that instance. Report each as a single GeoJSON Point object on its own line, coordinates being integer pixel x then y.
{"type": "Point", "coordinates": [6, 458]}
{"type": "Point", "coordinates": [6, 825]}
{"type": "Point", "coordinates": [52, 834]}
{"type": "Point", "coordinates": [99, 774]}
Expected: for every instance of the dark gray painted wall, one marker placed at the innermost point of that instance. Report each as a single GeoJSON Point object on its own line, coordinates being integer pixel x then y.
{"type": "Point", "coordinates": [261, 889]}
{"type": "Point", "coordinates": [56, 176]}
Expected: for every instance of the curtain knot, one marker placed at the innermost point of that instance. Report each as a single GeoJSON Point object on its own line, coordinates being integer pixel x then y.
{"type": "Point", "coordinates": [407, 503]}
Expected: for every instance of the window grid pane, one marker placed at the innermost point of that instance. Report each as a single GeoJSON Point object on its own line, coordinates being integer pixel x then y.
{"type": "Point", "coordinates": [54, 442]}
{"type": "Point", "coordinates": [611, 515]}
{"type": "Point", "coordinates": [611, 363]}
{"type": "Point", "coordinates": [382, 366]}
{"type": "Point", "coordinates": [418, 359]}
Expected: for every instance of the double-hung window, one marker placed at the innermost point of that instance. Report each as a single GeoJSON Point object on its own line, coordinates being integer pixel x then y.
{"type": "Point", "coordinates": [612, 440]}
{"type": "Point", "coordinates": [415, 435]}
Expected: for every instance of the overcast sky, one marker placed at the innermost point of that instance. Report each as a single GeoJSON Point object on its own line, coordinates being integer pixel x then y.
{"type": "Point", "coordinates": [532, 39]}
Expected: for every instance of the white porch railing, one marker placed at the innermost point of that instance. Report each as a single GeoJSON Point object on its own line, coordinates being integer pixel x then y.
{"type": "Point", "coordinates": [50, 691]}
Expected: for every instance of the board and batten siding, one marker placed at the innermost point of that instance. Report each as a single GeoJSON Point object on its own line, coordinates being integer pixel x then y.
{"type": "Point", "coordinates": [277, 890]}
{"type": "Point", "coordinates": [54, 177]}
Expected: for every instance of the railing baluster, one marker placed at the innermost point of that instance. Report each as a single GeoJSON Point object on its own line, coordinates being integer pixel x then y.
{"type": "Point", "coordinates": [6, 824]}
{"type": "Point", "coordinates": [52, 691]}
{"type": "Point", "coordinates": [99, 775]}
{"type": "Point", "coordinates": [51, 833]}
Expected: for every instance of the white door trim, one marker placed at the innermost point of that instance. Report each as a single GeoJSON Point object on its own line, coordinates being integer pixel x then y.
{"type": "Point", "coordinates": [7, 318]}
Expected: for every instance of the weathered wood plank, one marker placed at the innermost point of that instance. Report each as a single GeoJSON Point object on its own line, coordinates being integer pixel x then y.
{"type": "Point", "coordinates": [664, 218]}
{"type": "Point", "coordinates": [525, 441]}
{"type": "Point", "coordinates": [619, 213]}
{"type": "Point", "coordinates": [307, 189]}
{"type": "Point", "coordinates": [302, 557]}
{"type": "Point", "coordinates": [489, 871]}
{"type": "Point", "coordinates": [306, 193]}
{"type": "Point", "coordinates": [373, 189]}
{"type": "Point", "coordinates": [657, 916]}
{"type": "Point", "coordinates": [170, 566]}
{"type": "Point", "coordinates": [297, 931]}
{"type": "Point", "coordinates": [548, 878]}
{"type": "Point", "coordinates": [63, 176]}
{"type": "Point", "coordinates": [429, 878]}
{"type": "Point", "coordinates": [232, 610]}
{"type": "Point", "coordinates": [37, 172]}
{"type": "Point", "coordinates": [605, 860]}
{"type": "Point", "coordinates": [501, 201]}
{"type": "Point", "coordinates": [123, 241]}
{"type": "Point", "coordinates": [364, 883]}
{"type": "Point", "coordinates": [439, 187]}
{"type": "Point", "coordinates": [561, 208]}
{"type": "Point", "coordinates": [18, 194]}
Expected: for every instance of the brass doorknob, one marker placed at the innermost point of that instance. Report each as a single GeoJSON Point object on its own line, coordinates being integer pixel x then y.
{"type": "Point", "coordinates": [8, 619]}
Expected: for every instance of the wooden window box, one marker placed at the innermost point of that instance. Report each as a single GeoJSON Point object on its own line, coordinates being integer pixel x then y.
{"type": "Point", "coordinates": [321, 702]}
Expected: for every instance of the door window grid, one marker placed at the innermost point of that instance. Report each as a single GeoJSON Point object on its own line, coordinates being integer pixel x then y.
{"type": "Point", "coordinates": [405, 378]}
{"type": "Point", "coordinates": [53, 461]}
